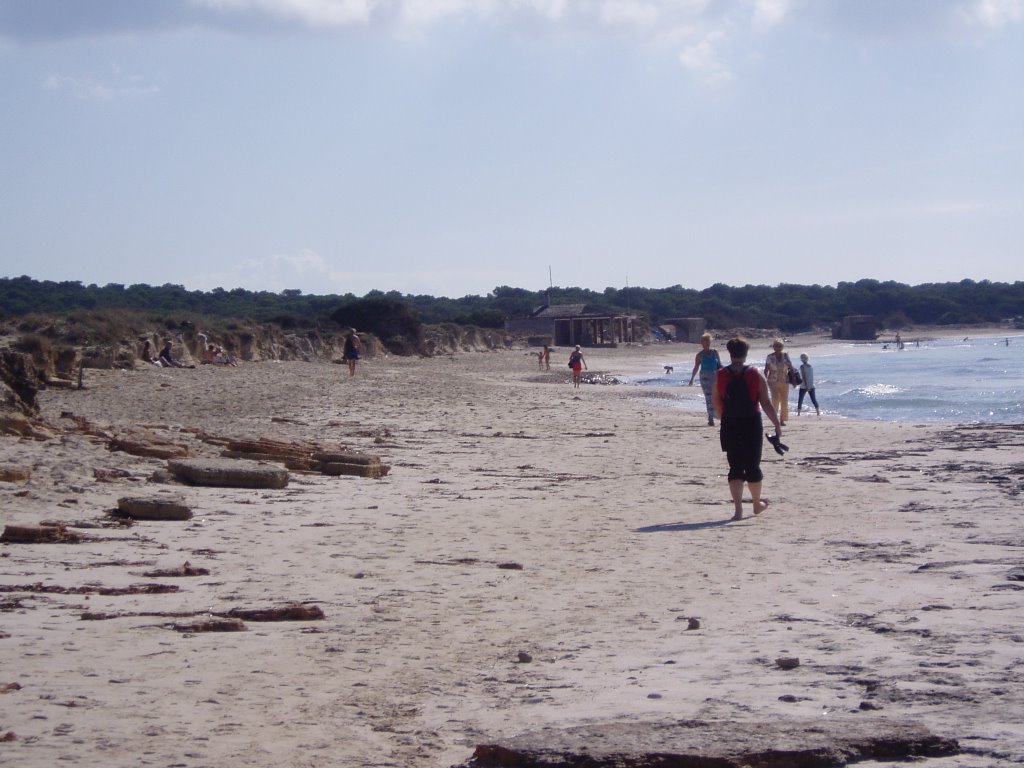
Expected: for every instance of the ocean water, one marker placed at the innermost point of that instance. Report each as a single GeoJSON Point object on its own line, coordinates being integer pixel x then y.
{"type": "Point", "coordinates": [971, 380]}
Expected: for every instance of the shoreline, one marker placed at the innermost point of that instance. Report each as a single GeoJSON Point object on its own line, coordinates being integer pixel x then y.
{"type": "Point", "coordinates": [884, 564]}
{"type": "Point", "coordinates": [681, 353]}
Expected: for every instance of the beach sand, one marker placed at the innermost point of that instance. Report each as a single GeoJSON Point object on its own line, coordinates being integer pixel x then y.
{"type": "Point", "coordinates": [885, 564]}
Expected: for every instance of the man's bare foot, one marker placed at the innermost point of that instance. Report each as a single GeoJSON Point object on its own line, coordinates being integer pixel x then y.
{"type": "Point", "coordinates": [738, 516]}
{"type": "Point", "coordinates": [761, 506]}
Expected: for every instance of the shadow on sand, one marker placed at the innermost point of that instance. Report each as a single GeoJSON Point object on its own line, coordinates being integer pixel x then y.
{"type": "Point", "coordinates": [668, 527]}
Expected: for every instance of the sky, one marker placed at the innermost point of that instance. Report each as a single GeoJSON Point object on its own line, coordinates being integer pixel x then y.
{"type": "Point", "coordinates": [449, 147]}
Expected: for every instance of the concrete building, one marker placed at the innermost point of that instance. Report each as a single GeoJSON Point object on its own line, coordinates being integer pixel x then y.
{"type": "Point", "coordinates": [687, 329]}
{"type": "Point", "coordinates": [860, 327]}
{"type": "Point", "coordinates": [571, 324]}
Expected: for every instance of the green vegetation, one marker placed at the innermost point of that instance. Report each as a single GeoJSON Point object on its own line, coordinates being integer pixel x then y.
{"type": "Point", "coordinates": [788, 307]}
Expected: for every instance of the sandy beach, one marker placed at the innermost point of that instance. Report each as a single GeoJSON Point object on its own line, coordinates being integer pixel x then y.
{"type": "Point", "coordinates": [537, 556]}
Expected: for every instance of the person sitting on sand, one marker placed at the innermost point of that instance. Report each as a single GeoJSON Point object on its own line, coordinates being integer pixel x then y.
{"type": "Point", "coordinates": [739, 394]}
{"type": "Point", "coordinates": [212, 354]}
{"type": "Point", "coordinates": [806, 385]}
{"type": "Point", "coordinates": [708, 362]}
{"type": "Point", "coordinates": [223, 358]}
{"type": "Point", "coordinates": [167, 358]}
{"type": "Point", "coordinates": [147, 353]}
{"type": "Point", "coordinates": [577, 364]}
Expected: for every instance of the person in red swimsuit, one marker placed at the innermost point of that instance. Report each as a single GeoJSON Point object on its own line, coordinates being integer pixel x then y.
{"type": "Point", "coordinates": [577, 364]}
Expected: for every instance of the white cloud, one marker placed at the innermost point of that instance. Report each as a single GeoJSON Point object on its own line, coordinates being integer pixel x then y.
{"type": "Point", "coordinates": [310, 273]}
{"type": "Point", "coordinates": [553, 10]}
{"type": "Point", "coordinates": [88, 88]}
{"type": "Point", "coordinates": [697, 31]}
{"type": "Point", "coordinates": [701, 58]}
{"type": "Point", "coordinates": [641, 15]}
{"type": "Point", "coordinates": [993, 14]}
{"type": "Point", "coordinates": [304, 269]}
{"type": "Point", "coordinates": [312, 12]}
{"type": "Point", "coordinates": [770, 13]}
{"type": "Point", "coordinates": [417, 13]}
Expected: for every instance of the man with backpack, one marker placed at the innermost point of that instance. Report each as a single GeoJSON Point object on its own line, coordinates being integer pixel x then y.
{"type": "Point", "coordinates": [739, 395]}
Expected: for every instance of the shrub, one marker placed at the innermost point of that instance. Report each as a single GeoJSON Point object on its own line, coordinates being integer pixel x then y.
{"type": "Point", "coordinates": [34, 344]}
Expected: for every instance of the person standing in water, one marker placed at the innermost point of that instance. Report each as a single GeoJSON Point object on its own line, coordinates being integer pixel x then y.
{"type": "Point", "coordinates": [806, 385]}
{"type": "Point", "coordinates": [740, 393]}
{"type": "Point", "coordinates": [352, 350]}
{"type": "Point", "coordinates": [577, 364]}
{"type": "Point", "coordinates": [708, 362]}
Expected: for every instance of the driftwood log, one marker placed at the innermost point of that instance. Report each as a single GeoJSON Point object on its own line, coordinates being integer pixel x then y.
{"type": "Point", "coordinates": [293, 612]}
{"type": "Point", "coordinates": [9, 473]}
{"type": "Point", "coordinates": [305, 456]}
{"type": "Point", "coordinates": [296, 455]}
{"type": "Point", "coordinates": [43, 534]}
{"type": "Point", "coordinates": [213, 625]}
{"type": "Point", "coordinates": [358, 464]}
{"type": "Point", "coordinates": [143, 442]}
{"type": "Point", "coordinates": [54, 589]}
{"type": "Point", "coordinates": [778, 743]}
{"type": "Point", "coordinates": [229, 473]}
{"type": "Point", "coordinates": [153, 509]}
{"type": "Point", "coordinates": [186, 569]}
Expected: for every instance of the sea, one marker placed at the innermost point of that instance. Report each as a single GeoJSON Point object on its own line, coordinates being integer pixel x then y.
{"type": "Point", "coordinates": [968, 380]}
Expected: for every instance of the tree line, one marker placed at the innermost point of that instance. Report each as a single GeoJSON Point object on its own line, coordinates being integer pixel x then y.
{"type": "Point", "coordinates": [789, 307]}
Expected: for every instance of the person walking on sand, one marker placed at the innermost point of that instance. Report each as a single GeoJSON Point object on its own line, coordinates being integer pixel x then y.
{"type": "Point", "coordinates": [806, 385]}
{"type": "Point", "coordinates": [776, 369]}
{"type": "Point", "coordinates": [546, 357]}
{"type": "Point", "coordinates": [577, 364]}
{"type": "Point", "coordinates": [740, 394]}
{"type": "Point", "coordinates": [351, 351]}
{"type": "Point", "coordinates": [708, 362]}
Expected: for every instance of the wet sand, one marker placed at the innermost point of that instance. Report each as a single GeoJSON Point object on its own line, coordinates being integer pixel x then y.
{"type": "Point", "coordinates": [889, 563]}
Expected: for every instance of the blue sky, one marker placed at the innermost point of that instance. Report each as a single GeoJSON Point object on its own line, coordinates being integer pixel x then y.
{"type": "Point", "coordinates": [447, 147]}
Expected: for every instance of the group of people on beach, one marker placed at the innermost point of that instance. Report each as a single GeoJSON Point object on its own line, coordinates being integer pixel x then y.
{"type": "Point", "coordinates": [164, 358]}
{"type": "Point", "coordinates": [577, 364]}
{"type": "Point", "coordinates": [210, 354]}
{"type": "Point", "coordinates": [737, 394]}
{"type": "Point", "coordinates": [779, 373]}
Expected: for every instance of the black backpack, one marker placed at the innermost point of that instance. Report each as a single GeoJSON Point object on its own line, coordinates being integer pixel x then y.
{"type": "Point", "coordinates": [737, 403]}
